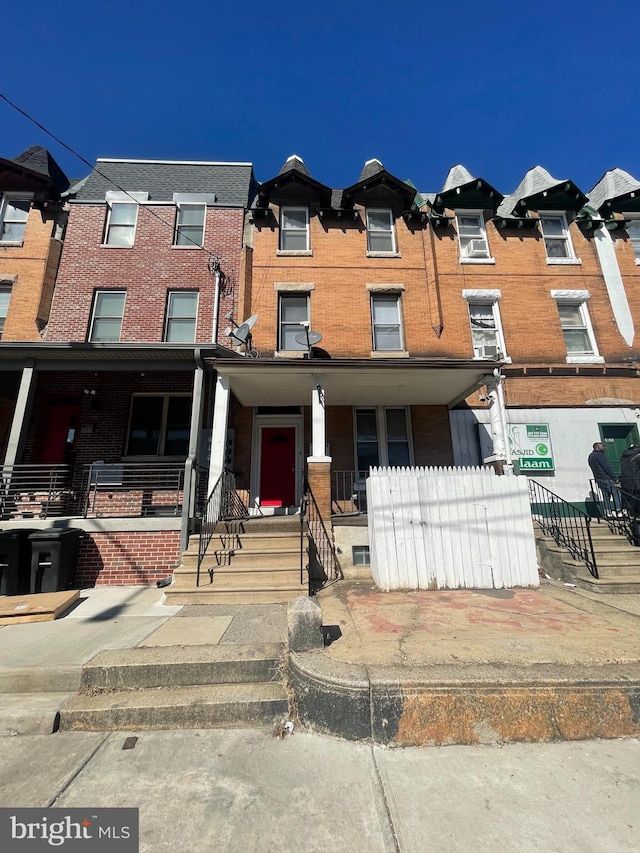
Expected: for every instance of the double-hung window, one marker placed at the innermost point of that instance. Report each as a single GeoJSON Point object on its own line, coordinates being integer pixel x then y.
{"type": "Point", "coordinates": [386, 324]}
{"type": "Point", "coordinates": [5, 297]}
{"type": "Point", "coordinates": [190, 225]}
{"type": "Point", "coordinates": [381, 237]}
{"type": "Point", "coordinates": [121, 224]}
{"type": "Point", "coordinates": [159, 425]}
{"type": "Point", "coordinates": [108, 310]}
{"type": "Point", "coordinates": [633, 229]}
{"type": "Point", "coordinates": [557, 242]}
{"type": "Point", "coordinates": [576, 326]}
{"type": "Point", "coordinates": [293, 310]}
{"type": "Point", "coordinates": [382, 437]}
{"type": "Point", "coordinates": [14, 213]}
{"type": "Point", "coordinates": [182, 313]}
{"type": "Point", "coordinates": [486, 329]}
{"type": "Point", "coordinates": [472, 237]}
{"type": "Point", "coordinates": [294, 229]}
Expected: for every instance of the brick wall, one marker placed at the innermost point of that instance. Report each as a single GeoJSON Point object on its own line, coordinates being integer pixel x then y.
{"type": "Point", "coordinates": [123, 557]}
{"type": "Point", "coordinates": [147, 271]}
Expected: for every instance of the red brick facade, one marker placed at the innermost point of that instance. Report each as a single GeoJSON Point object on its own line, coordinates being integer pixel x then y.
{"type": "Point", "coordinates": [122, 557]}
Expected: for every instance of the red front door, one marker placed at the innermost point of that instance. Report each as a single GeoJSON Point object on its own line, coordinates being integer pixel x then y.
{"type": "Point", "coordinates": [278, 466]}
{"type": "Point", "coordinates": [57, 437]}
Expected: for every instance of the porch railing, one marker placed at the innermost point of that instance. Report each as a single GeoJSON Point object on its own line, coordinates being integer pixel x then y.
{"type": "Point", "coordinates": [35, 491]}
{"type": "Point", "coordinates": [132, 489]}
{"type": "Point", "coordinates": [624, 521]}
{"type": "Point", "coordinates": [349, 492]}
{"type": "Point", "coordinates": [322, 564]}
{"type": "Point", "coordinates": [568, 525]}
{"type": "Point", "coordinates": [224, 503]}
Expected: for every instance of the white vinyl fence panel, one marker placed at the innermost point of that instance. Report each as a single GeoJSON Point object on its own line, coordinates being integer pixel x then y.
{"type": "Point", "coordinates": [449, 528]}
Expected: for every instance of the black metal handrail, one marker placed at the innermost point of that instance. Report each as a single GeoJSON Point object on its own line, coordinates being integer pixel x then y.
{"type": "Point", "coordinates": [322, 564]}
{"type": "Point", "coordinates": [349, 492]}
{"type": "Point", "coordinates": [132, 489]}
{"type": "Point", "coordinates": [224, 503]}
{"type": "Point", "coordinates": [35, 491]}
{"type": "Point", "coordinates": [568, 525]}
{"type": "Point", "coordinates": [625, 521]}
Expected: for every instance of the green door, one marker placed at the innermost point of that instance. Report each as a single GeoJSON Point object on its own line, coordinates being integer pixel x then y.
{"type": "Point", "coordinates": [616, 438]}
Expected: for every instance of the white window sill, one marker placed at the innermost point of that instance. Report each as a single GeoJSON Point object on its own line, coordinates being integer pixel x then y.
{"type": "Point", "coordinates": [11, 244]}
{"type": "Point", "coordinates": [384, 254]}
{"type": "Point", "coordinates": [506, 359]}
{"type": "Point", "coordinates": [477, 260]}
{"type": "Point", "coordinates": [290, 353]}
{"type": "Point", "coordinates": [585, 359]}
{"type": "Point", "coordinates": [188, 248]}
{"type": "Point", "coordinates": [294, 253]}
{"type": "Point", "coordinates": [113, 246]}
{"type": "Point", "coordinates": [389, 354]}
{"type": "Point", "coordinates": [571, 262]}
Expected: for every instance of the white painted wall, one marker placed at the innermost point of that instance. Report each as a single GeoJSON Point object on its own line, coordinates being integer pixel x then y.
{"type": "Point", "coordinates": [573, 432]}
{"type": "Point", "coordinates": [449, 528]}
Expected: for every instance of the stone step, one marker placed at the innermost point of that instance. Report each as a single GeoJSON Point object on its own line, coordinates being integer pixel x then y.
{"type": "Point", "coordinates": [278, 558]}
{"type": "Point", "coordinates": [243, 578]}
{"type": "Point", "coordinates": [616, 585]}
{"type": "Point", "coordinates": [209, 595]}
{"type": "Point", "coordinates": [180, 666]}
{"type": "Point", "coordinates": [195, 707]}
{"type": "Point", "coordinates": [256, 541]}
{"type": "Point", "coordinates": [270, 524]}
{"type": "Point", "coordinates": [604, 569]}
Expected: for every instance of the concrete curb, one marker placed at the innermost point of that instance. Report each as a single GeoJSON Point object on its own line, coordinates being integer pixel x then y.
{"type": "Point", "coordinates": [436, 705]}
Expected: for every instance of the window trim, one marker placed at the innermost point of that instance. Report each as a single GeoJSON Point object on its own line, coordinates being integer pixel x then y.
{"type": "Point", "coordinates": [579, 298]}
{"type": "Point", "coordinates": [168, 317]}
{"type": "Point", "coordinates": [488, 297]}
{"type": "Point", "coordinates": [96, 294]}
{"type": "Point", "coordinates": [8, 199]}
{"type": "Point", "coordinates": [468, 259]}
{"type": "Point", "coordinates": [381, 433]}
{"type": "Point", "coordinates": [5, 287]}
{"type": "Point", "coordinates": [387, 295]}
{"type": "Point", "coordinates": [283, 295]}
{"type": "Point", "coordinates": [107, 225]}
{"type": "Point", "coordinates": [192, 244]}
{"type": "Point", "coordinates": [163, 427]}
{"type": "Point", "coordinates": [572, 258]}
{"type": "Point", "coordinates": [376, 253]}
{"type": "Point", "coordinates": [634, 219]}
{"type": "Point", "coordinates": [300, 252]}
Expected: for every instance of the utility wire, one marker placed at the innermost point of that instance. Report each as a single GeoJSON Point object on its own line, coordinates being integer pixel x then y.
{"type": "Point", "coordinates": [214, 258]}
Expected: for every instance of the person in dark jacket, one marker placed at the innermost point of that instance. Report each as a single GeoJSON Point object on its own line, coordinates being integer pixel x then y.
{"type": "Point", "coordinates": [605, 478]}
{"type": "Point", "coordinates": [630, 479]}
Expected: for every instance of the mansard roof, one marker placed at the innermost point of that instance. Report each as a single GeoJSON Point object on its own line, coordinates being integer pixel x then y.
{"type": "Point", "coordinates": [34, 169]}
{"type": "Point", "coordinates": [232, 184]}
{"type": "Point", "coordinates": [462, 190]}
{"type": "Point", "coordinates": [616, 191]}
{"type": "Point", "coordinates": [292, 184]}
{"type": "Point", "coordinates": [539, 190]}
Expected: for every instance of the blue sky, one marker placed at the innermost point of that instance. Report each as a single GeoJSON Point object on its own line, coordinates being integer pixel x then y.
{"type": "Point", "coordinates": [497, 86]}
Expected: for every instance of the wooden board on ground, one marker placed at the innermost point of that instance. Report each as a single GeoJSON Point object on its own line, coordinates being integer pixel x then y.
{"type": "Point", "coordinates": [35, 607]}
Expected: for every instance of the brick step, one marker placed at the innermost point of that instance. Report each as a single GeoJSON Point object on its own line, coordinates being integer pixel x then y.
{"type": "Point", "coordinates": [181, 666]}
{"type": "Point", "coordinates": [209, 595]}
{"type": "Point", "coordinates": [194, 707]}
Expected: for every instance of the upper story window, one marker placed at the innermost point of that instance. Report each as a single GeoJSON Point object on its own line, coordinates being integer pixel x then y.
{"type": "Point", "coordinates": [381, 236]}
{"type": "Point", "coordinates": [182, 312]}
{"type": "Point", "coordinates": [14, 213]}
{"type": "Point", "coordinates": [190, 225]}
{"type": "Point", "coordinates": [485, 330]}
{"type": "Point", "coordinates": [557, 241]}
{"type": "Point", "coordinates": [633, 229]}
{"type": "Point", "coordinates": [293, 313]}
{"type": "Point", "coordinates": [294, 229]}
{"type": "Point", "coordinates": [108, 310]}
{"type": "Point", "coordinates": [472, 236]}
{"type": "Point", "coordinates": [576, 326]}
{"type": "Point", "coordinates": [5, 297]}
{"type": "Point", "coordinates": [120, 229]}
{"type": "Point", "coordinates": [386, 325]}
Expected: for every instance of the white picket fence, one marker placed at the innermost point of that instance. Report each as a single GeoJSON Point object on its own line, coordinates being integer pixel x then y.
{"type": "Point", "coordinates": [449, 528]}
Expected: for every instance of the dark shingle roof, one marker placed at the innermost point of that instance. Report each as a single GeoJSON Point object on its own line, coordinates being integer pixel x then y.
{"type": "Point", "coordinates": [39, 161]}
{"type": "Point", "coordinates": [294, 163]}
{"type": "Point", "coordinates": [232, 183]}
{"type": "Point", "coordinates": [371, 167]}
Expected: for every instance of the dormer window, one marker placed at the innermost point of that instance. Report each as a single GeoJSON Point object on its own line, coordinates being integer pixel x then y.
{"type": "Point", "coordinates": [380, 233]}
{"type": "Point", "coordinates": [13, 219]}
{"type": "Point", "coordinates": [472, 236]}
{"type": "Point", "coordinates": [294, 229]}
{"type": "Point", "coordinates": [557, 241]}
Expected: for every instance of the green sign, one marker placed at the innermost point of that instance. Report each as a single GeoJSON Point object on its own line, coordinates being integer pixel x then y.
{"type": "Point", "coordinates": [530, 446]}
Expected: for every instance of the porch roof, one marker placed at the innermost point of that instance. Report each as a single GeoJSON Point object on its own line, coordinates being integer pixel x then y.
{"type": "Point", "coordinates": [354, 382]}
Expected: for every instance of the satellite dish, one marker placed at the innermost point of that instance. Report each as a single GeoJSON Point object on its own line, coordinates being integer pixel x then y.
{"type": "Point", "coordinates": [242, 332]}
{"type": "Point", "coordinates": [308, 339]}
{"type": "Point", "coordinates": [251, 321]}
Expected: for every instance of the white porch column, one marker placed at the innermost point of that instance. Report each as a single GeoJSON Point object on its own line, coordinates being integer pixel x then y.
{"type": "Point", "coordinates": [318, 423]}
{"type": "Point", "coordinates": [23, 406]}
{"type": "Point", "coordinates": [219, 430]}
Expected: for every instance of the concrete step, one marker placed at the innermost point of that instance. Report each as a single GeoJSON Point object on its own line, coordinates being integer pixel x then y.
{"type": "Point", "coordinates": [604, 570]}
{"type": "Point", "coordinates": [280, 557]}
{"type": "Point", "coordinates": [179, 666]}
{"type": "Point", "coordinates": [269, 524]}
{"type": "Point", "coordinates": [195, 707]}
{"type": "Point", "coordinates": [256, 541]}
{"type": "Point", "coordinates": [210, 595]}
{"type": "Point", "coordinates": [242, 579]}
{"type": "Point", "coordinates": [31, 713]}
{"type": "Point", "coordinates": [617, 585]}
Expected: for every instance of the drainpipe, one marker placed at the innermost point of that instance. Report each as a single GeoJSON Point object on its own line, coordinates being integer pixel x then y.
{"type": "Point", "coordinates": [500, 456]}
{"type": "Point", "coordinates": [217, 275]}
{"type": "Point", "coordinates": [190, 479]}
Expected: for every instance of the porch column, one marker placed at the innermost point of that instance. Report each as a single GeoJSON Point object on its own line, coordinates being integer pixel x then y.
{"type": "Point", "coordinates": [24, 400]}
{"type": "Point", "coordinates": [219, 430]}
{"type": "Point", "coordinates": [189, 508]}
{"type": "Point", "coordinates": [319, 464]}
{"type": "Point", "coordinates": [497, 413]}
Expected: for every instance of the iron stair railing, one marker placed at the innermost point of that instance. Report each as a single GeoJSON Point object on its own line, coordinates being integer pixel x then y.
{"type": "Point", "coordinates": [569, 526]}
{"type": "Point", "coordinates": [223, 503]}
{"type": "Point", "coordinates": [322, 564]}
{"type": "Point", "coordinates": [624, 522]}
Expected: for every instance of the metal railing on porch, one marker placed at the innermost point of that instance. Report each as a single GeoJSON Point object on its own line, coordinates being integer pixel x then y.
{"type": "Point", "coordinates": [349, 492]}
{"type": "Point", "coordinates": [138, 490]}
{"type": "Point", "coordinates": [618, 508]}
{"type": "Point", "coordinates": [35, 491]}
{"type": "Point", "coordinates": [322, 564]}
{"type": "Point", "coordinates": [223, 504]}
{"type": "Point", "coordinates": [567, 525]}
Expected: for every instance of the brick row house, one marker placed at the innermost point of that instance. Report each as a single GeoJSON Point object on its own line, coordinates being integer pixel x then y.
{"type": "Point", "coordinates": [385, 327]}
